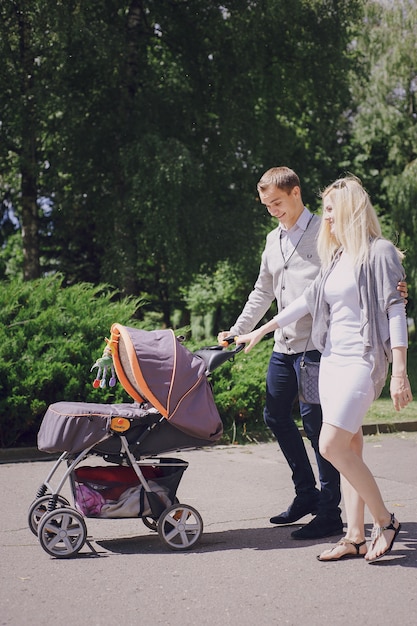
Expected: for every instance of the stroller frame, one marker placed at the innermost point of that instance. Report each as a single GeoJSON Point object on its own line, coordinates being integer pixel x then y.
{"type": "Point", "coordinates": [61, 529]}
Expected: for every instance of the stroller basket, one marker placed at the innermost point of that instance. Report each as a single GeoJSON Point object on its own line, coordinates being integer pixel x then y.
{"type": "Point", "coordinates": [116, 492]}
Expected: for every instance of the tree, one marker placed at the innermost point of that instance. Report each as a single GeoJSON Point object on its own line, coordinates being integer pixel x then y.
{"type": "Point", "coordinates": [20, 120]}
{"type": "Point", "coordinates": [384, 148]}
{"type": "Point", "coordinates": [154, 120]}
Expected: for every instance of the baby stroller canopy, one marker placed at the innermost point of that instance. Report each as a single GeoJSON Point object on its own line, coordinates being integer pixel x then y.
{"type": "Point", "coordinates": [154, 366]}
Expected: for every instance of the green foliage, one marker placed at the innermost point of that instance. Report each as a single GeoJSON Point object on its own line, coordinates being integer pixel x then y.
{"type": "Point", "coordinates": [383, 149]}
{"type": "Point", "coordinates": [385, 125]}
{"type": "Point", "coordinates": [50, 337]}
{"type": "Point", "coordinates": [402, 195]}
{"type": "Point", "coordinates": [214, 299]}
{"type": "Point", "coordinates": [11, 257]}
{"type": "Point", "coordinates": [132, 136]}
{"type": "Point", "coordinates": [133, 133]}
{"type": "Point", "coordinates": [209, 291]}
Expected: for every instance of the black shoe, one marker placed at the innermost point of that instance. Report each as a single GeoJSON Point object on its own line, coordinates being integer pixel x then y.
{"type": "Point", "coordinates": [319, 527]}
{"type": "Point", "coordinates": [298, 508]}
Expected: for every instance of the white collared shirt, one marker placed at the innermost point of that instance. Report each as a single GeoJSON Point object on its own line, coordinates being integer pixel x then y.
{"type": "Point", "coordinates": [289, 238]}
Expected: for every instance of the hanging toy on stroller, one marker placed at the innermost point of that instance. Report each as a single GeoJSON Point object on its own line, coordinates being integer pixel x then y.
{"type": "Point", "coordinates": [173, 409]}
{"type": "Point", "coordinates": [104, 364]}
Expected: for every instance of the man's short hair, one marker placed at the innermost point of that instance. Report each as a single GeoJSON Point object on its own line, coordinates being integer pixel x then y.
{"type": "Point", "coordinates": [282, 177]}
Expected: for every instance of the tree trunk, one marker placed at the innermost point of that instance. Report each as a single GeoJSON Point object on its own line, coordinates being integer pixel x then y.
{"type": "Point", "coordinates": [28, 164]}
{"type": "Point", "coordinates": [125, 252]}
{"type": "Point", "coordinates": [30, 220]}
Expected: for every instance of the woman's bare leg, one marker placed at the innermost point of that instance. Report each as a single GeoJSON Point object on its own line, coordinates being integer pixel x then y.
{"type": "Point", "coordinates": [336, 446]}
{"type": "Point", "coordinates": [354, 509]}
{"type": "Point", "coordinates": [354, 504]}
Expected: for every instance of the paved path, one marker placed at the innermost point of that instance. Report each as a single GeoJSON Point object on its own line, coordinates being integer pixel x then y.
{"type": "Point", "coordinates": [243, 572]}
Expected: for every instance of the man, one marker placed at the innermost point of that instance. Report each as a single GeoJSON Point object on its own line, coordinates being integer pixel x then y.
{"type": "Point", "coordinates": [289, 263]}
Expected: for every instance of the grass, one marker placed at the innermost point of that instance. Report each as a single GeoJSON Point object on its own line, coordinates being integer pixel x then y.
{"type": "Point", "coordinates": [382, 412]}
{"type": "Point", "coordinates": [383, 418]}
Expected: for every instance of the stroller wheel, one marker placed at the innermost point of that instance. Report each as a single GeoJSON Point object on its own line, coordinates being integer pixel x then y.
{"type": "Point", "coordinates": [180, 526]}
{"type": "Point", "coordinates": [39, 507]}
{"type": "Point", "coordinates": [150, 523]}
{"type": "Point", "coordinates": [62, 533]}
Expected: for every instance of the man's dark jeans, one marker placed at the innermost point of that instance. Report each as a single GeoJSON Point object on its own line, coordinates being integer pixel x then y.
{"type": "Point", "coordinates": [281, 391]}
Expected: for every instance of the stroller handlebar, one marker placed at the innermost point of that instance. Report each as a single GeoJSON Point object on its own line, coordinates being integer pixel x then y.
{"type": "Point", "coordinates": [214, 356]}
{"type": "Point", "coordinates": [227, 341]}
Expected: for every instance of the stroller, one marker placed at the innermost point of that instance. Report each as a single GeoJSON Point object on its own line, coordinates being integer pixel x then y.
{"type": "Point", "coordinates": [173, 409]}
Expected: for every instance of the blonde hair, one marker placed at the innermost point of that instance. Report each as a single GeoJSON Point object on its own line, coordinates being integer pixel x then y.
{"type": "Point", "coordinates": [355, 221]}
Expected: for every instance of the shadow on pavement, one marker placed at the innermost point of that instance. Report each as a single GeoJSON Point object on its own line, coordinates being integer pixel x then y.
{"type": "Point", "coordinates": [404, 552]}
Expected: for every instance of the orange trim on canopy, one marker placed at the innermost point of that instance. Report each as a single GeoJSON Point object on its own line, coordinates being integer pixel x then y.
{"type": "Point", "coordinates": [114, 341]}
{"type": "Point", "coordinates": [117, 331]}
{"type": "Point", "coordinates": [173, 374]}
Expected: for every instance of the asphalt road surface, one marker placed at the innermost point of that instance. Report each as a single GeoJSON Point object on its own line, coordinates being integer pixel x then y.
{"type": "Point", "coordinates": [242, 572]}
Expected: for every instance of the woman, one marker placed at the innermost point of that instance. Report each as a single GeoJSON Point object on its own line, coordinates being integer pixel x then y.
{"type": "Point", "coordinates": [359, 325]}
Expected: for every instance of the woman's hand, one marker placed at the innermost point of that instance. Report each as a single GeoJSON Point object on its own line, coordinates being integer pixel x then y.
{"type": "Point", "coordinates": [403, 289]}
{"type": "Point", "coordinates": [400, 391]}
{"type": "Point", "coordinates": [256, 335]}
{"type": "Point", "coordinates": [250, 338]}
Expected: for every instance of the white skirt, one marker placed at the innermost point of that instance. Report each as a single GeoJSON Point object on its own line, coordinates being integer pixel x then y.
{"type": "Point", "coordinates": [346, 391]}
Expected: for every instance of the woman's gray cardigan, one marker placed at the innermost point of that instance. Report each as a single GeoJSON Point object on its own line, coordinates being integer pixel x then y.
{"type": "Point", "coordinates": [377, 279]}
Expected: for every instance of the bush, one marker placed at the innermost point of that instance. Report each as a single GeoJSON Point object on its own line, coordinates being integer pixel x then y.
{"type": "Point", "coordinates": [50, 336]}
{"type": "Point", "coordinates": [212, 297]}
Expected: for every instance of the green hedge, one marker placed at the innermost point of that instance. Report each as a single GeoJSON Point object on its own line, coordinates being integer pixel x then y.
{"type": "Point", "coordinates": [50, 336]}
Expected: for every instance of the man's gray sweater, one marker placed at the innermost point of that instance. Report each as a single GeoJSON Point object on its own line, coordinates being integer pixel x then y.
{"type": "Point", "coordinates": [283, 281]}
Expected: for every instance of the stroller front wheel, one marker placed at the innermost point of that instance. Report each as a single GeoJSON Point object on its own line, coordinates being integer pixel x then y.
{"type": "Point", "coordinates": [39, 507]}
{"type": "Point", "coordinates": [150, 523]}
{"type": "Point", "coordinates": [180, 526]}
{"type": "Point", "coordinates": [62, 533]}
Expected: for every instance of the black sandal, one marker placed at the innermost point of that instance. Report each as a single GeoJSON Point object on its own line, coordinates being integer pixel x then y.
{"type": "Point", "coordinates": [377, 532]}
{"type": "Point", "coordinates": [349, 555]}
